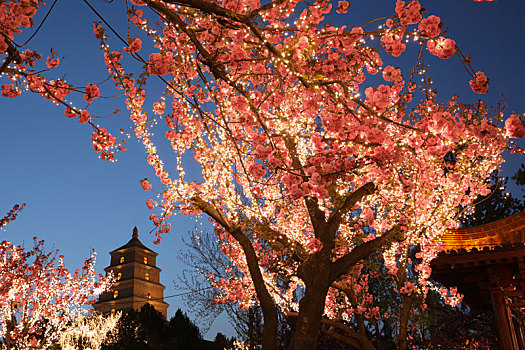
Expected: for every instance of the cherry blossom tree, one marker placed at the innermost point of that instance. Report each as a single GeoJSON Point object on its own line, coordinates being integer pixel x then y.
{"type": "Point", "coordinates": [39, 297]}
{"type": "Point", "coordinates": [312, 152]}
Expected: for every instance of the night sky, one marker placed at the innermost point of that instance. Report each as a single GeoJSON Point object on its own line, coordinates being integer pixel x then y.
{"type": "Point", "coordinates": [77, 202]}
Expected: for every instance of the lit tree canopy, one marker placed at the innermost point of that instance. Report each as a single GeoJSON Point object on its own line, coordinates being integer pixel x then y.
{"type": "Point", "coordinates": [89, 332]}
{"type": "Point", "coordinates": [39, 296]}
{"type": "Point", "coordinates": [313, 153]}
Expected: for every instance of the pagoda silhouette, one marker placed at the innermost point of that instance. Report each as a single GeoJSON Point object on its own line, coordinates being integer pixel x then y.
{"type": "Point", "coordinates": [136, 279]}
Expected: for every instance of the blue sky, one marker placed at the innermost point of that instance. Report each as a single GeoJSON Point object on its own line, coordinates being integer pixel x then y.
{"type": "Point", "coordinates": [77, 202]}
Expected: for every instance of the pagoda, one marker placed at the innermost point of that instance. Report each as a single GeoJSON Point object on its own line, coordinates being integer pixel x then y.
{"type": "Point", "coordinates": [136, 279]}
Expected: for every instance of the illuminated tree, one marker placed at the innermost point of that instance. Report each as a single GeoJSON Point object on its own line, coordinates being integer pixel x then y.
{"type": "Point", "coordinates": [38, 295]}
{"type": "Point", "coordinates": [306, 166]}
{"type": "Point", "coordinates": [88, 332]}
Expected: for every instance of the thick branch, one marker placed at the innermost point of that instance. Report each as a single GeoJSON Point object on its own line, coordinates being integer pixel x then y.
{"type": "Point", "coordinates": [362, 251]}
{"type": "Point", "coordinates": [404, 315]}
{"type": "Point", "coordinates": [13, 55]}
{"type": "Point", "coordinates": [351, 199]}
{"type": "Point", "coordinates": [317, 217]}
{"type": "Point", "coordinates": [217, 69]}
{"type": "Point", "coordinates": [265, 299]}
{"type": "Point", "coordinates": [299, 254]}
{"type": "Point", "coordinates": [352, 342]}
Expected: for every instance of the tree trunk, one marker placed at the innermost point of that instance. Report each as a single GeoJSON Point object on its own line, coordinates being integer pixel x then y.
{"type": "Point", "coordinates": [315, 274]}
{"type": "Point", "coordinates": [268, 307]}
{"type": "Point", "coordinates": [404, 313]}
{"type": "Point", "coordinates": [269, 310]}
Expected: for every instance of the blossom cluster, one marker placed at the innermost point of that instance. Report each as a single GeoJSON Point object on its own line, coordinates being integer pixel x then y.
{"type": "Point", "coordinates": [27, 276]}
{"type": "Point", "coordinates": [11, 214]}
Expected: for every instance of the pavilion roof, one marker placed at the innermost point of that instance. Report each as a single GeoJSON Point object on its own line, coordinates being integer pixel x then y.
{"type": "Point", "coordinates": [509, 231]}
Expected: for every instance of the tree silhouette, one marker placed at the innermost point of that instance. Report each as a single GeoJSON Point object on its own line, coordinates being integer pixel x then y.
{"type": "Point", "coordinates": [141, 330]}
{"type": "Point", "coordinates": [498, 204]}
{"type": "Point", "coordinates": [147, 329]}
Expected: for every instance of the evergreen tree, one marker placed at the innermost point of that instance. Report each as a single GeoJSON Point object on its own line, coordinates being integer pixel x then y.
{"type": "Point", "coordinates": [184, 334]}
{"type": "Point", "coordinates": [221, 342]}
{"type": "Point", "coordinates": [498, 204]}
{"type": "Point", "coordinates": [140, 330]}
{"type": "Point", "coordinates": [147, 329]}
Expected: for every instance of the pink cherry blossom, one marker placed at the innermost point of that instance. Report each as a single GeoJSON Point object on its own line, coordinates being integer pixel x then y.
{"type": "Point", "coordinates": [150, 203]}
{"type": "Point", "coordinates": [105, 155]}
{"type": "Point", "coordinates": [145, 184]}
{"type": "Point", "coordinates": [393, 44]}
{"type": "Point", "coordinates": [135, 46]}
{"type": "Point", "coordinates": [55, 90]}
{"type": "Point", "coordinates": [92, 92]}
{"type": "Point", "coordinates": [302, 43]}
{"type": "Point", "coordinates": [97, 29]}
{"type": "Point", "coordinates": [160, 64]}
{"type": "Point", "coordinates": [514, 127]}
{"type": "Point", "coordinates": [11, 214]}
{"type": "Point", "coordinates": [379, 97]}
{"type": "Point", "coordinates": [102, 140]}
{"type": "Point", "coordinates": [171, 135]}
{"type": "Point", "coordinates": [408, 14]}
{"type": "Point", "coordinates": [52, 62]}
{"type": "Point", "coordinates": [429, 26]}
{"type": "Point", "coordinates": [480, 84]}
{"type": "Point", "coordinates": [69, 113]}
{"type": "Point", "coordinates": [442, 47]}
{"type": "Point", "coordinates": [342, 6]}
{"type": "Point", "coordinates": [84, 116]}
{"type": "Point", "coordinates": [159, 107]}
{"type": "Point", "coordinates": [391, 74]}
{"type": "Point", "coordinates": [314, 245]}
{"type": "Point", "coordinates": [8, 90]}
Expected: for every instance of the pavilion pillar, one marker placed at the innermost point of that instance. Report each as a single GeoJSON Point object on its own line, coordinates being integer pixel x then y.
{"type": "Point", "coordinates": [518, 326]}
{"type": "Point", "coordinates": [504, 321]}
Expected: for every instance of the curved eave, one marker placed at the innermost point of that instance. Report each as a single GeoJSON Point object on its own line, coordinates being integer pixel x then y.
{"type": "Point", "coordinates": [499, 233]}
{"type": "Point", "coordinates": [132, 281]}
{"type": "Point", "coordinates": [127, 300]}
{"type": "Point", "coordinates": [120, 266]}
{"type": "Point", "coordinates": [124, 248]}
